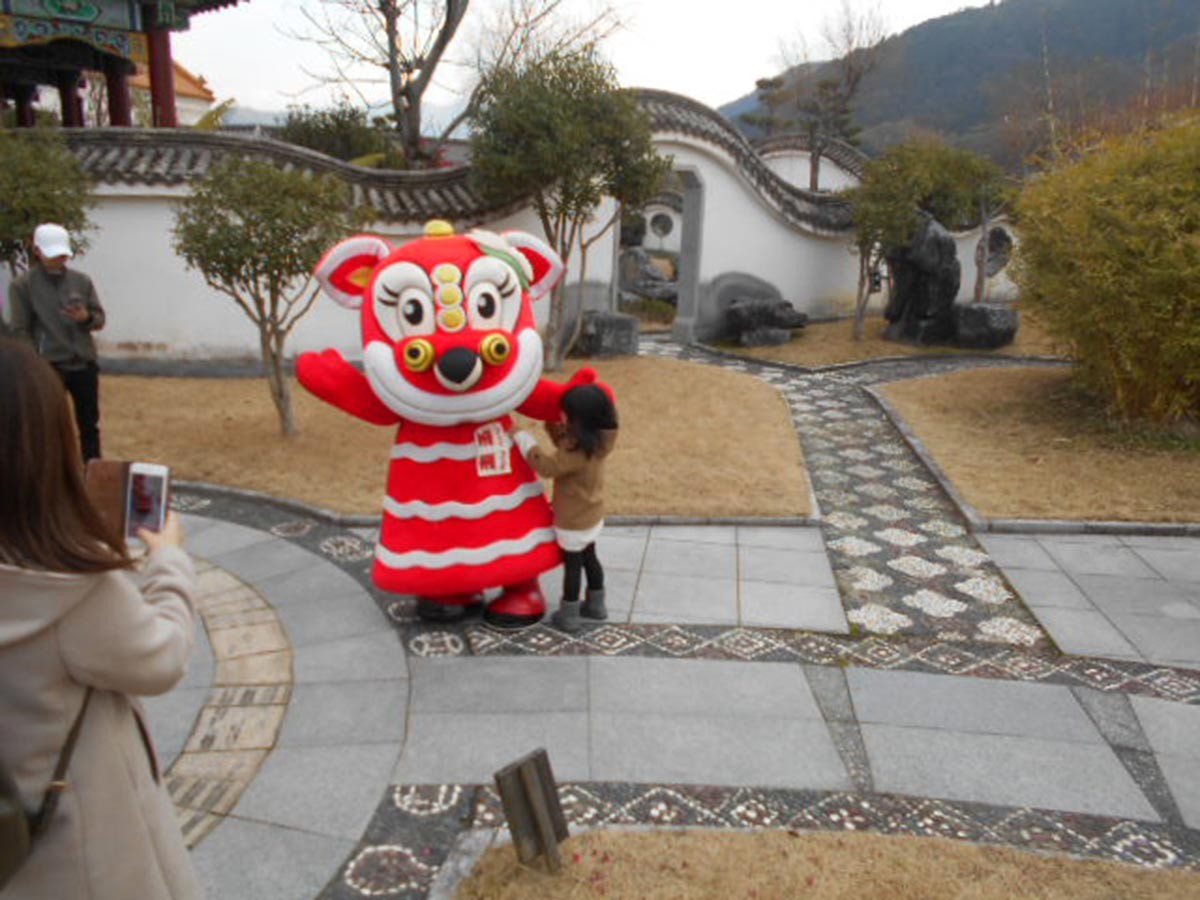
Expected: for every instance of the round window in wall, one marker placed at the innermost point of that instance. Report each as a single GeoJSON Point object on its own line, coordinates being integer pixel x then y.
{"type": "Point", "coordinates": [661, 224]}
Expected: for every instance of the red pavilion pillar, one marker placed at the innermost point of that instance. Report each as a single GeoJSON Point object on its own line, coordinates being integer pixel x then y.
{"type": "Point", "coordinates": [70, 101]}
{"type": "Point", "coordinates": [23, 95]}
{"type": "Point", "coordinates": [120, 105]}
{"type": "Point", "coordinates": [162, 71]}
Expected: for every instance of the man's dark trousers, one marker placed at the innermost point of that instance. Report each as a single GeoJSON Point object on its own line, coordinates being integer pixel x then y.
{"type": "Point", "coordinates": [83, 385]}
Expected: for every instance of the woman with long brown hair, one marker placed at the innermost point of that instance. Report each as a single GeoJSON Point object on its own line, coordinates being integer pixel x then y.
{"type": "Point", "coordinates": [79, 640]}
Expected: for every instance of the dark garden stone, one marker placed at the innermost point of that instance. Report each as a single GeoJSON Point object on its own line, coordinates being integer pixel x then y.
{"type": "Point", "coordinates": [985, 326]}
{"type": "Point", "coordinates": [607, 334]}
{"type": "Point", "coordinates": [762, 322]}
{"type": "Point", "coordinates": [925, 277]}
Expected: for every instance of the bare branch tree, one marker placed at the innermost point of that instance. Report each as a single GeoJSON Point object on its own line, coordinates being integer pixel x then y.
{"type": "Point", "coordinates": [523, 29]}
{"type": "Point", "coordinates": [394, 42]}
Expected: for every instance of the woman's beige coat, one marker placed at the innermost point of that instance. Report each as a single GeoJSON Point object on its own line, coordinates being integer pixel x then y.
{"type": "Point", "coordinates": [114, 834]}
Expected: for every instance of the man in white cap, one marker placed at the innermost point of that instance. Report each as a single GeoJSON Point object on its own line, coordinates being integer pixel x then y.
{"type": "Point", "coordinates": [56, 309]}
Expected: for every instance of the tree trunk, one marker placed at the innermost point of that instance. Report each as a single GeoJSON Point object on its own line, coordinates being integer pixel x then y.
{"type": "Point", "coordinates": [281, 395]}
{"type": "Point", "coordinates": [814, 168]}
{"type": "Point", "coordinates": [864, 293]}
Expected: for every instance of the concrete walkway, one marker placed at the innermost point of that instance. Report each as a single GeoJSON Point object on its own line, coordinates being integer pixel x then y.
{"type": "Point", "coordinates": [886, 670]}
{"type": "Point", "coordinates": [379, 747]}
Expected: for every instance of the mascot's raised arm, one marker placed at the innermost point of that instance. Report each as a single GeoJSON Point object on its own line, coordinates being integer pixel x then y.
{"type": "Point", "coordinates": [450, 348]}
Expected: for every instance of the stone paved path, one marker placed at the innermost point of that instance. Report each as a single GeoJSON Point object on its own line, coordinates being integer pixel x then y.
{"type": "Point", "coordinates": [327, 744]}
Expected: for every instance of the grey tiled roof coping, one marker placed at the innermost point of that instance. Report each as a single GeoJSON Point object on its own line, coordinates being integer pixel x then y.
{"type": "Point", "coordinates": [175, 156]}
{"type": "Point", "coordinates": [849, 158]}
{"type": "Point", "coordinates": [674, 112]}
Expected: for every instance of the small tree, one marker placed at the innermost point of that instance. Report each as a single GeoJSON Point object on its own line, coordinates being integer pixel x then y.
{"type": "Point", "coordinates": [921, 177]}
{"type": "Point", "coordinates": [255, 232]}
{"type": "Point", "coordinates": [41, 180]}
{"type": "Point", "coordinates": [560, 132]}
{"type": "Point", "coordinates": [341, 131]}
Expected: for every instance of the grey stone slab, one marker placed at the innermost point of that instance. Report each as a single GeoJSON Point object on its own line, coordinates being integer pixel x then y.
{"type": "Point", "coordinates": [328, 790]}
{"type": "Point", "coordinates": [661, 618]}
{"type": "Point", "coordinates": [704, 534]}
{"type": "Point", "coordinates": [267, 862]}
{"type": "Point", "coordinates": [316, 619]}
{"type": "Point", "coordinates": [465, 852]}
{"type": "Point", "coordinates": [370, 535]}
{"type": "Point", "coordinates": [619, 588]}
{"type": "Point", "coordinates": [369, 657]}
{"type": "Point", "coordinates": [757, 751]}
{"type": "Point", "coordinates": [224, 538]}
{"type": "Point", "coordinates": [1003, 770]}
{"type": "Point", "coordinates": [321, 579]}
{"type": "Point", "coordinates": [1177, 565]}
{"type": "Point", "coordinates": [1157, 542]}
{"type": "Point", "coordinates": [468, 748]}
{"type": "Point", "coordinates": [1017, 552]}
{"type": "Point", "coordinates": [1183, 778]}
{"type": "Point", "coordinates": [784, 566]}
{"type": "Point", "coordinates": [692, 558]}
{"type": "Point", "coordinates": [171, 717]}
{"type": "Point", "coordinates": [627, 531]}
{"type": "Point", "coordinates": [194, 524]}
{"type": "Point", "coordinates": [1040, 588]}
{"type": "Point", "coordinates": [1097, 558]}
{"type": "Point", "coordinates": [695, 687]}
{"type": "Point", "coordinates": [202, 666]}
{"type": "Point", "coordinates": [804, 607]}
{"type": "Point", "coordinates": [976, 705]}
{"type": "Point", "coordinates": [259, 562]}
{"type": "Point", "coordinates": [1113, 715]}
{"type": "Point", "coordinates": [1163, 641]}
{"type": "Point", "coordinates": [1172, 728]}
{"type": "Point", "coordinates": [802, 539]}
{"type": "Point", "coordinates": [616, 552]}
{"type": "Point", "coordinates": [832, 693]}
{"type": "Point", "coordinates": [690, 597]}
{"type": "Point", "coordinates": [1137, 596]}
{"type": "Point", "coordinates": [1085, 633]}
{"type": "Point", "coordinates": [499, 684]}
{"type": "Point", "coordinates": [352, 712]}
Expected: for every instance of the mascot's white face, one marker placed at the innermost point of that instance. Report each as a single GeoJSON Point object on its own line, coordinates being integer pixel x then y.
{"type": "Point", "coordinates": [447, 320]}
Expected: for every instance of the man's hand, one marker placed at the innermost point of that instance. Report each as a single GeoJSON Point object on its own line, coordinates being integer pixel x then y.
{"type": "Point", "coordinates": [77, 313]}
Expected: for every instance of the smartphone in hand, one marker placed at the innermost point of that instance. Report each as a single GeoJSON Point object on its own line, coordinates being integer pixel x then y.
{"type": "Point", "coordinates": [146, 498]}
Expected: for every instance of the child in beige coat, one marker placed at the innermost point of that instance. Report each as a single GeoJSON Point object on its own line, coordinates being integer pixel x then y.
{"type": "Point", "coordinates": [581, 445]}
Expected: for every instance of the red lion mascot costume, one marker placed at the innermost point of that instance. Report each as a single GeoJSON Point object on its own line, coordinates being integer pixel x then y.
{"type": "Point", "coordinates": [450, 348]}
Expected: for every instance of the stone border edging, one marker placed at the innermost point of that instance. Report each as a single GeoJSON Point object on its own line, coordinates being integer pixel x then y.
{"type": "Point", "coordinates": [979, 523]}
{"type": "Point", "coordinates": [238, 726]}
{"type": "Point", "coordinates": [863, 363]}
{"type": "Point", "coordinates": [343, 520]}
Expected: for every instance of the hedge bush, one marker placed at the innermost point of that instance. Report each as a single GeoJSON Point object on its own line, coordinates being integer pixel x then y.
{"type": "Point", "coordinates": [1109, 258]}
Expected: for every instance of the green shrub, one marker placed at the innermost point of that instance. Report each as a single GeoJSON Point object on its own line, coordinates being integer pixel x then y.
{"type": "Point", "coordinates": [1109, 258]}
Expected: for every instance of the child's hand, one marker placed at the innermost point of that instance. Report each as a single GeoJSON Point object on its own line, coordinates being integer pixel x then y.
{"type": "Point", "coordinates": [524, 440]}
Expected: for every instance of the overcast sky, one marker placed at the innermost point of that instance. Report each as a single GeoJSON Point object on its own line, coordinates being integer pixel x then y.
{"type": "Point", "coordinates": [673, 45]}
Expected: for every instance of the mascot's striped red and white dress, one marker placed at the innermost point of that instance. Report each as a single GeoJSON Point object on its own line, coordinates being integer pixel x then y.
{"type": "Point", "coordinates": [450, 348]}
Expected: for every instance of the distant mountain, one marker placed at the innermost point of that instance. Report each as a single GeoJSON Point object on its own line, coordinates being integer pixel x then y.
{"type": "Point", "coordinates": [246, 116]}
{"type": "Point", "coordinates": [976, 75]}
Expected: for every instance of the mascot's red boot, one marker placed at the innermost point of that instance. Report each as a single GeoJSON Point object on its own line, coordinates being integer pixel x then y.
{"type": "Point", "coordinates": [449, 350]}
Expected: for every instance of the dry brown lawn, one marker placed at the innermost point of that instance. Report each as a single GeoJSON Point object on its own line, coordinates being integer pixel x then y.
{"type": "Point", "coordinates": [829, 343]}
{"type": "Point", "coordinates": [695, 441]}
{"type": "Point", "coordinates": [783, 864]}
{"type": "Point", "coordinates": [1017, 444]}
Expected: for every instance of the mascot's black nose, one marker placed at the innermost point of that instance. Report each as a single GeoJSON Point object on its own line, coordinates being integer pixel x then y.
{"type": "Point", "coordinates": [458, 364]}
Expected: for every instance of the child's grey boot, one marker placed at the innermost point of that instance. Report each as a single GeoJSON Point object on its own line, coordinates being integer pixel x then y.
{"type": "Point", "coordinates": [566, 617]}
{"type": "Point", "coordinates": [593, 606]}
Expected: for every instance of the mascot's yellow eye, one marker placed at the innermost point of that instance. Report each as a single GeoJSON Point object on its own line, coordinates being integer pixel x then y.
{"type": "Point", "coordinates": [495, 349]}
{"type": "Point", "coordinates": [418, 355]}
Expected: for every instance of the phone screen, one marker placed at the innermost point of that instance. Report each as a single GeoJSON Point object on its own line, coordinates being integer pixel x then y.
{"type": "Point", "coordinates": [147, 502]}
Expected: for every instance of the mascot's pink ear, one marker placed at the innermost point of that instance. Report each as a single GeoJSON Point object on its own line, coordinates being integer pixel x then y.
{"type": "Point", "coordinates": [547, 267]}
{"type": "Point", "coordinates": [344, 271]}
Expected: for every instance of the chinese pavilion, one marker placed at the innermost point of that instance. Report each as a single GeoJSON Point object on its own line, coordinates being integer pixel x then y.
{"type": "Point", "coordinates": [52, 42]}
